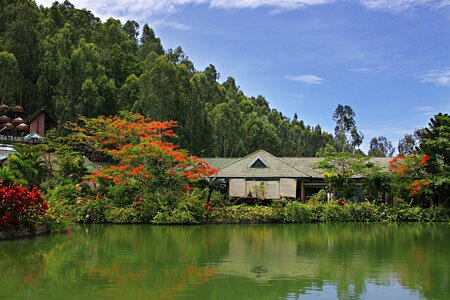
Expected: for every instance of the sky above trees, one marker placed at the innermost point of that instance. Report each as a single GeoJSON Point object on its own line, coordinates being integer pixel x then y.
{"type": "Point", "coordinates": [388, 60]}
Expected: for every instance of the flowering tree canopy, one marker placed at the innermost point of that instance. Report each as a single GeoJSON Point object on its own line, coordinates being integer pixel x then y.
{"type": "Point", "coordinates": [411, 172]}
{"type": "Point", "coordinates": [141, 151]}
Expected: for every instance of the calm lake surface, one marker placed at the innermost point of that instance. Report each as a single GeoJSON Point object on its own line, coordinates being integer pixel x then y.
{"type": "Point", "coordinates": [311, 261]}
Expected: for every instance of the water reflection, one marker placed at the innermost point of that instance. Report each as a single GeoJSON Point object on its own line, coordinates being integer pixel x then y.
{"type": "Point", "coordinates": [320, 261]}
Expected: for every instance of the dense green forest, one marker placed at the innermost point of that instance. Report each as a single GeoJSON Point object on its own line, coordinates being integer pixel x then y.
{"type": "Point", "coordinates": [72, 63]}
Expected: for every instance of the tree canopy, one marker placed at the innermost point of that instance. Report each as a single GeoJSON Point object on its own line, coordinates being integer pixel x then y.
{"type": "Point", "coordinates": [76, 65]}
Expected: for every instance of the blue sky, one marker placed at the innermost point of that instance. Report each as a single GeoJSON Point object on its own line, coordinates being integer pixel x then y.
{"type": "Point", "coordinates": [388, 59]}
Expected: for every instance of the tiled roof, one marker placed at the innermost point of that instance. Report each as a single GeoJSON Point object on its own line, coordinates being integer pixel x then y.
{"type": "Point", "coordinates": [220, 162]}
{"type": "Point", "coordinates": [278, 167]}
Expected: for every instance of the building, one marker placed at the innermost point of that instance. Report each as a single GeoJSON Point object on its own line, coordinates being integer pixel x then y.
{"type": "Point", "coordinates": [264, 175]}
{"type": "Point", "coordinates": [41, 121]}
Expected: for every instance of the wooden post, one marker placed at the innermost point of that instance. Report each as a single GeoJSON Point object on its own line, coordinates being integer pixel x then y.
{"type": "Point", "coordinates": [302, 191]}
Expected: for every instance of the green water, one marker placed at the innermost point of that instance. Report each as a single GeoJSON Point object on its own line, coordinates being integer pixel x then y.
{"type": "Point", "coordinates": [312, 261]}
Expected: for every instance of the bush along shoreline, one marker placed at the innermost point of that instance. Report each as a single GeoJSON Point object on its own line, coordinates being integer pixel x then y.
{"type": "Point", "coordinates": [192, 211]}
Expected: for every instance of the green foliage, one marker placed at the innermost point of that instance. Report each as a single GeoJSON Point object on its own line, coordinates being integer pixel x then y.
{"type": "Point", "coordinates": [347, 136]}
{"type": "Point", "coordinates": [188, 210]}
{"type": "Point", "coordinates": [295, 212]}
{"type": "Point", "coordinates": [9, 178]}
{"type": "Point", "coordinates": [434, 142]}
{"type": "Point", "coordinates": [92, 210]}
{"type": "Point", "coordinates": [363, 212]}
{"type": "Point", "coordinates": [8, 75]}
{"type": "Point", "coordinates": [339, 168]}
{"type": "Point", "coordinates": [381, 147]}
{"type": "Point", "coordinates": [407, 145]}
{"type": "Point", "coordinates": [120, 215]}
{"type": "Point", "coordinates": [332, 212]}
{"type": "Point", "coordinates": [243, 214]}
{"type": "Point", "coordinates": [74, 64]}
{"type": "Point", "coordinates": [28, 166]}
{"type": "Point", "coordinates": [320, 196]}
{"type": "Point", "coordinates": [59, 216]}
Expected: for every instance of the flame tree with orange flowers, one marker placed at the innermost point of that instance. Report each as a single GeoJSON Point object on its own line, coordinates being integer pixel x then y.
{"type": "Point", "coordinates": [411, 177]}
{"type": "Point", "coordinates": [145, 161]}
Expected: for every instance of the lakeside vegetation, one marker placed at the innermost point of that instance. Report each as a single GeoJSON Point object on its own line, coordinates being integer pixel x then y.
{"type": "Point", "coordinates": [81, 68]}
{"type": "Point", "coordinates": [146, 178]}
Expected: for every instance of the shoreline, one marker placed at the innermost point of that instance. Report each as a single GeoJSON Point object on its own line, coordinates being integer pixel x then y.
{"type": "Point", "coordinates": [23, 233]}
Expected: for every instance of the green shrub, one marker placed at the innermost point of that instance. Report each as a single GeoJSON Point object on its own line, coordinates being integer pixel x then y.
{"type": "Point", "coordinates": [145, 210]}
{"type": "Point", "coordinates": [122, 194]}
{"type": "Point", "coordinates": [92, 210]}
{"type": "Point", "coordinates": [319, 197]}
{"type": "Point", "coordinates": [120, 215]}
{"type": "Point", "coordinates": [190, 210]}
{"type": "Point", "coordinates": [399, 212]}
{"type": "Point", "coordinates": [182, 215]}
{"type": "Point", "coordinates": [317, 211]}
{"type": "Point", "coordinates": [334, 213]}
{"type": "Point", "coordinates": [296, 212]}
{"type": "Point", "coordinates": [243, 214]}
{"type": "Point", "coordinates": [362, 212]}
{"type": "Point", "coordinates": [435, 214]}
{"type": "Point", "coordinates": [162, 217]}
{"type": "Point", "coordinates": [59, 216]}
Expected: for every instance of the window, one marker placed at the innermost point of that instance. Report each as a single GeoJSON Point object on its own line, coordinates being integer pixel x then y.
{"type": "Point", "coordinates": [258, 163]}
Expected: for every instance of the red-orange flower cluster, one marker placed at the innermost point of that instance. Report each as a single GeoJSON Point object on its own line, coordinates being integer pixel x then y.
{"type": "Point", "coordinates": [412, 170]}
{"type": "Point", "coordinates": [416, 186]}
{"type": "Point", "coordinates": [141, 147]}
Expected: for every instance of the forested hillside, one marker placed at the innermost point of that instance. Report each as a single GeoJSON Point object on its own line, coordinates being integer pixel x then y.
{"type": "Point", "coordinates": [72, 63]}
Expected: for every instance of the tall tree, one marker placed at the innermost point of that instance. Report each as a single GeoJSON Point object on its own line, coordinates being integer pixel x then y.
{"type": "Point", "coordinates": [381, 147]}
{"type": "Point", "coordinates": [159, 97]}
{"type": "Point", "coordinates": [407, 145]}
{"type": "Point", "coordinates": [347, 136]}
{"type": "Point", "coordinates": [149, 43]}
{"type": "Point", "coordinates": [435, 139]}
{"type": "Point", "coordinates": [9, 75]}
{"type": "Point", "coordinates": [225, 120]}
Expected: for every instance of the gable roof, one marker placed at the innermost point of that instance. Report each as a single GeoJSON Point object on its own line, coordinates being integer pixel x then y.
{"type": "Point", "coordinates": [36, 113]}
{"type": "Point", "coordinates": [276, 167]}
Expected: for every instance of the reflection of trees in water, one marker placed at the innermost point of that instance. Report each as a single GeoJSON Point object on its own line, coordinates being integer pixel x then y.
{"type": "Point", "coordinates": [346, 255]}
{"type": "Point", "coordinates": [223, 262]}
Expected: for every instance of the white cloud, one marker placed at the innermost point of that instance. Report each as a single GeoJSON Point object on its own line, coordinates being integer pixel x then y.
{"type": "Point", "coordinates": [141, 10]}
{"type": "Point", "coordinates": [437, 77]}
{"type": "Point", "coordinates": [170, 24]}
{"type": "Point", "coordinates": [367, 69]}
{"type": "Point", "coordinates": [275, 4]}
{"type": "Point", "coordinates": [401, 5]}
{"type": "Point", "coordinates": [306, 78]}
{"type": "Point", "coordinates": [425, 110]}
